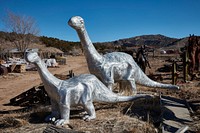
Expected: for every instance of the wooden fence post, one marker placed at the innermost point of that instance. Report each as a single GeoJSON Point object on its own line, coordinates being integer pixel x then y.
{"type": "Point", "coordinates": [185, 65]}
{"type": "Point", "coordinates": [174, 73]}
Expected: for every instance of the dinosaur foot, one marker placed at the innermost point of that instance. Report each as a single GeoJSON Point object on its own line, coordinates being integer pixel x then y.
{"type": "Point", "coordinates": [88, 117]}
{"type": "Point", "coordinates": [61, 122]}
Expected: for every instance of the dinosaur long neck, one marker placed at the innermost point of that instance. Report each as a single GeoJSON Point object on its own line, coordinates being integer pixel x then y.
{"type": "Point", "coordinates": [47, 78]}
{"type": "Point", "coordinates": [91, 54]}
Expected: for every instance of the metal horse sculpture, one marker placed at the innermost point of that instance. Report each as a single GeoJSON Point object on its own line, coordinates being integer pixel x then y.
{"type": "Point", "coordinates": [112, 67]}
{"type": "Point", "coordinates": [81, 90]}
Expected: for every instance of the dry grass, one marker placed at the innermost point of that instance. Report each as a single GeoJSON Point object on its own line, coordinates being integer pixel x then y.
{"type": "Point", "coordinates": [12, 122]}
{"type": "Point", "coordinates": [141, 116]}
{"type": "Point", "coordinates": [110, 118]}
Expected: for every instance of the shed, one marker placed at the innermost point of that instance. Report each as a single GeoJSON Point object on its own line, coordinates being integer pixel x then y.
{"type": "Point", "coordinates": [46, 52]}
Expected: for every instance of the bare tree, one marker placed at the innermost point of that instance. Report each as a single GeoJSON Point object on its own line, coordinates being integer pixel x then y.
{"type": "Point", "coordinates": [22, 30]}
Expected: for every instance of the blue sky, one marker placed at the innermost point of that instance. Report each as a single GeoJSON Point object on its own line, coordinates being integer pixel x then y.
{"type": "Point", "coordinates": [109, 20]}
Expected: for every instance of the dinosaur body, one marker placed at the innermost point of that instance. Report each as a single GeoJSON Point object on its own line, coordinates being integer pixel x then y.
{"type": "Point", "coordinates": [112, 67]}
{"type": "Point", "coordinates": [81, 90]}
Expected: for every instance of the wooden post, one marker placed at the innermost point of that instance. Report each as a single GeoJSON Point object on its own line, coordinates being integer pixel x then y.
{"type": "Point", "coordinates": [174, 73]}
{"type": "Point", "coordinates": [185, 65]}
{"type": "Point", "coordinates": [153, 53]}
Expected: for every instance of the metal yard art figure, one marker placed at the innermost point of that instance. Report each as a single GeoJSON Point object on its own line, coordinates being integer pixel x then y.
{"type": "Point", "coordinates": [79, 90]}
{"type": "Point", "coordinates": [141, 58]}
{"type": "Point", "coordinates": [112, 67]}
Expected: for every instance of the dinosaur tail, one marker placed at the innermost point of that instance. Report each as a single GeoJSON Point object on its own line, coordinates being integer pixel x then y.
{"type": "Point", "coordinates": [146, 81]}
{"type": "Point", "coordinates": [131, 98]}
{"type": "Point", "coordinates": [111, 97]}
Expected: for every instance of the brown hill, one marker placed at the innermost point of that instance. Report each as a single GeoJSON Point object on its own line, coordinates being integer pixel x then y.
{"type": "Point", "coordinates": [156, 41]}
{"type": "Point", "coordinates": [151, 40]}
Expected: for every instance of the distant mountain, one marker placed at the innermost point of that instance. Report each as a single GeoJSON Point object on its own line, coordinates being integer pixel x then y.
{"type": "Point", "coordinates": [150, 40]}
{"type": "Point", "coordinates": [154, 41]}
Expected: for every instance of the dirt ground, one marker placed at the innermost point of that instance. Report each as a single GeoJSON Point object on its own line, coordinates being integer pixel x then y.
{"type": "Point", "coordinates": [110, 117]}
{"type": "Point", "coordinates": [16, 83]}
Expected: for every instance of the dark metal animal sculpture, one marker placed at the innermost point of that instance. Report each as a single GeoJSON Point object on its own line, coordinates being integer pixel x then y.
{"type": "Point", "coordinates": [141, 58]}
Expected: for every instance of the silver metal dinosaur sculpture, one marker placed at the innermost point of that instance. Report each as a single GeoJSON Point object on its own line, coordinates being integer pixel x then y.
{"type": "Point", "coordinates": [112, 67]}
{"type": "Point", "coordinates": [81, 90]}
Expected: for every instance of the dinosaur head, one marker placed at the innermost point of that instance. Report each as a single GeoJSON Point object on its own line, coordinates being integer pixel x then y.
{"type": "Point", "coordinates": [31, 56]}
{"type": "Point", "coordinates": [76, 22]}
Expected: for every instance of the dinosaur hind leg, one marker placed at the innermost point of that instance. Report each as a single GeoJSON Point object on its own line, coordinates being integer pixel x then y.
{"type": "Point", "coordinates": [110, 86]}
{"type": "Point", "coordinates": [89, 108]}
{"type": "Point", "coordinates": [131, 80]}
{"type": "Point", "coordinates": [132, 85]}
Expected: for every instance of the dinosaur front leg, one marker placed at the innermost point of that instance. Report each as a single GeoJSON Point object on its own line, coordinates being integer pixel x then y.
{"type": "Point", "coordinates": [64, 114]}
{"type": "Point", "coordinates": [54, 112]}
{"type": "Point", "coordinates": [108, 81]}
{"type": "Point", "coordinates": [89, 108]}
{"type": "Point", "coordinates": [109, 78]}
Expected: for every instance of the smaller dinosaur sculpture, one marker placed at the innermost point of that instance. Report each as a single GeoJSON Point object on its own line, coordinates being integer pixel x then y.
{"type": "Point", "coordinates": [112, 67]}
{"type": "Point", "coordinates": [79, 90]}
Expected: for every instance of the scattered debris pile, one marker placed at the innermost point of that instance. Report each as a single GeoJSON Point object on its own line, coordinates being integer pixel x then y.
{"type": "Point", "coordinates": [12, 65]}
{"type": "Point", "coordinates": [19, 65]}
{"type": "Point", "coordinates": [36, 95]}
